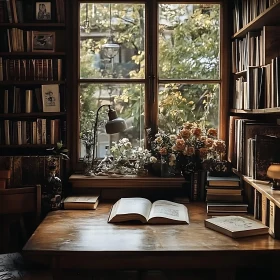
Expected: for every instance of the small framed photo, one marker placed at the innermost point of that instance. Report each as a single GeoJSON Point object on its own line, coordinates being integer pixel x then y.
{"type": "Point", "coordinates": [51, 98]}
{"type": "Point", "coordinates": [43, 41]}
{"type": "Point", "coordinates": [43, 10]}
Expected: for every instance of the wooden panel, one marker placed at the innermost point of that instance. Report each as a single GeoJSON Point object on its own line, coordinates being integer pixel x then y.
{"type": "Point", "coordinates": [81, 181]}
{"type": "Point", "coordinates": [19, 200]}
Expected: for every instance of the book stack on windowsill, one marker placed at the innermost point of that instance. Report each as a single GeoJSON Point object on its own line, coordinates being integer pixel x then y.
{"type": "Point", "coordinates": [224, 196]}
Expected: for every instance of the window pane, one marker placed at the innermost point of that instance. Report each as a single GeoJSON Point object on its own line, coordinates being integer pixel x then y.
{"type": "Point", "coordinates": [189, 40]}
{"type": "Point", "coordinates": [179, 103]}
{"type": "Point", "coordinates": [126, 99]}
{"type": "Point", "coordinates": [112, 40]}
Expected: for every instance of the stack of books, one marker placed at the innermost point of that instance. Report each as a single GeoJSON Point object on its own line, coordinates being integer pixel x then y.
{"type": "Point", "coordinates": [224, 196]}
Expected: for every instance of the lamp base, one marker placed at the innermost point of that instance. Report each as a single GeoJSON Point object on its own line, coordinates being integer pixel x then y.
{"type": "Point", "coordinates": [275, 185]}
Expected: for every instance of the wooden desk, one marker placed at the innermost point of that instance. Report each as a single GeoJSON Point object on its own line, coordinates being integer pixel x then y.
{"type": "Point", "coordinates": [83, 240]}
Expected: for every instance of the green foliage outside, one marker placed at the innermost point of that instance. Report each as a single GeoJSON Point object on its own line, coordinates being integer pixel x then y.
{"type": "Point", "coordinates": [188, 49]}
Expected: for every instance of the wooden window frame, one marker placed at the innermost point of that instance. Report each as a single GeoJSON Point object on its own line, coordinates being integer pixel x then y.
{"type": "Point", "coordinates": [151, 118]}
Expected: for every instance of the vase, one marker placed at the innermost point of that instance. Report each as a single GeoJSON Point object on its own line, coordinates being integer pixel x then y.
{"type": "Point", "coordinates": [87, 161]}
{"type": "Point", "coordinates": [51, 192]}
{"type": "Point", "coordinates": [194, 186]}
{"type": "Point", "coordinates": [166, 170]}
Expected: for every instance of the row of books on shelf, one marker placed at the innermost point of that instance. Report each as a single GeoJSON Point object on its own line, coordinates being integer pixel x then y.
{"type": "Point", "coordinates": [259, 88]}
{"type": "Point", "coordinates": [19, 40]}
{"type": "Point", "coordinates": [31, 69]}
{"type": "Point", "coordinates": [20, 11]}
{"type": "Point", "coordinates": [256, 49]}
{"type": "Point", "coordinates": [245, 11]}
{"type": "Point", "coordinates": [224, 196]}
{"type": "Point", "coordinates": [38, 131]}
{"type": "Point", "coordinates": [252, 157]}
{"type": "Point", "coordinates": [47, 98]}
{"type": "Point", "coordinates": [267, 212]}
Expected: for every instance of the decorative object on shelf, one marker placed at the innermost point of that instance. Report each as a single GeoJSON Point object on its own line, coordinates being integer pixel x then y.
{"type": "Point", "coordinates": [43, 41]}
{"type": "Point", "coordinates": [43, 10]}
{"type": "Point", "coordinates": [218, 168]}
{"type": "Point", "coordinates": [52, 189]}
{"type": "Point", "coordinates": [113, 125]}
{"type": "Point", "coordinates": [273, 172]}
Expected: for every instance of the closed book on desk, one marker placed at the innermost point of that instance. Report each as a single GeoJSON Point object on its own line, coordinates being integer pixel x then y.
{"type": "Point", "coordinates": [230, 181]}
{"type": "Point", "coordinates": [236, 226]}
{"type": "Point", "coordinates": [143, 210]}
{"type": "Point", "coordinates": [81, 202]}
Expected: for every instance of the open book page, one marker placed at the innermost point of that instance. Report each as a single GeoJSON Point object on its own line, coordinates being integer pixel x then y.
{"type": "Point", "coordinates": [131, 206]}
{"type": "Point", "coordinates": [169, 210]}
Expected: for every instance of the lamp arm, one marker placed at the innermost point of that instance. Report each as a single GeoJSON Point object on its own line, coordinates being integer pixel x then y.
{"type": "Point", "coordinates": [95, 132]}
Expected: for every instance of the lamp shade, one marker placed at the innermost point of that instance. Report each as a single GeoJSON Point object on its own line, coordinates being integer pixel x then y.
{"type": "Point", "coordinates": [273, 171]}
{"type": "Point", "coordinates": [114, 124]}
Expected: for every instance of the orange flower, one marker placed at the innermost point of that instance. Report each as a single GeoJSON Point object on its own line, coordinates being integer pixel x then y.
{"type": "Point", "coordinates": [185, 133]}
{"type": "Point", "coordinates": [212, 132]}
{"type": "Point", "coordinates": [180, 145]}
{"type": "Point", "coordinates": [188, 125]}
{"type": "Point", "coordinates": [209, 142]}
{"type": "Point", "coordinates": [220, 146]}
{"type": "Point", "coordinates": [203, 152]}
{"type": "Point", "coordinates": [197, 132]}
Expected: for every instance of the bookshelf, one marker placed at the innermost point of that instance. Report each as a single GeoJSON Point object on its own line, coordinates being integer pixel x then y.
{"type": "Point", "coordinates": [255, 103]}
{"type": "Point", "coordinates": [33, 85]}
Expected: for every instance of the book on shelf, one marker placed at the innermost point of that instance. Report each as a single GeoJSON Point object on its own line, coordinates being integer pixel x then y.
{"type": "Point", "coordinates": [236, 226]}
{"type": "Point", "coordinates": [143, 210]}
{"type": "Point", "coordinates": [265, 210]}
{"type": "Point", "coordinates": [274, 220]}
{"type": "Point", "coordinates": [81, 202]}
{"type": "Point", "coordinates": [227, 207]}
{"type": "Point", "coordinates": [230, 181]}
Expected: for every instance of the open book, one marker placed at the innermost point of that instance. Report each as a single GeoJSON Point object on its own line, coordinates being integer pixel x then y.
{"type": "Point", "coordinates": [141, 209]}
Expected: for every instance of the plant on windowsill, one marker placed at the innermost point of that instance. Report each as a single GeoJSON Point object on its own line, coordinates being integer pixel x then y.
{"type": "Point", "coordinates": [124, 159]}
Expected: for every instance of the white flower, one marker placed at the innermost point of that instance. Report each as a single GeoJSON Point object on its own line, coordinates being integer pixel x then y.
{"type": "Point", "coordinates": [153, 159]}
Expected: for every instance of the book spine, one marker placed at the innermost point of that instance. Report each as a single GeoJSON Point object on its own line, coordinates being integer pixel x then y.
{"type": "Point", "coordinates": [9, 11]}
{"type": "Point", "coordinates": [28, 101]}
{"type": "Point", "coordinates": [1, 70]}
{"type": "Point", "coordinates": [44, 131]}
{"type": "Point", "coordinates": [274, 220]}
{"type": "Point", "coordinates": [7, 132]}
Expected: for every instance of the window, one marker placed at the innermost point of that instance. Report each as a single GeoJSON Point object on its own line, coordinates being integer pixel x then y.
{"type": "Point", "coordinates": [157, 63]}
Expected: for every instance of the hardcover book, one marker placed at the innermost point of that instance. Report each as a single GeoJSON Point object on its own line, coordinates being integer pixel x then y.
{"type": "Point", "coordinates": [143, 210]}
{"type": "Point", "coordinates": [236, 226]}
{"type": "Point", "coordinates": [230, 181]}
{"type": "Point", "coordinates": [82, 202]}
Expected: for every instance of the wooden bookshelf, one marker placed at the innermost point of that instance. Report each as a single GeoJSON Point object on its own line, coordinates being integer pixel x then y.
{"type": "Point", "coordinates": [268, 17]}
{"type": "Point", "coordinates": [23, 70]}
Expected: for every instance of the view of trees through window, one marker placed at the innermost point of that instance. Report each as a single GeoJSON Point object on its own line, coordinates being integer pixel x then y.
{"type": "Point", "coordinates": [113, 60]}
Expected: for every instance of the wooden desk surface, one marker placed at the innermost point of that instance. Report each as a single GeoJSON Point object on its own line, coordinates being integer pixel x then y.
{"type": "Point", "coordinates": [82, 239]}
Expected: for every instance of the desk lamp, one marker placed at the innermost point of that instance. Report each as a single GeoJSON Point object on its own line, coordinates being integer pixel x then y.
{"type": "Point", "coordinates": [273, 172]}
{"type": "Point", "coordinates": [113, 125]}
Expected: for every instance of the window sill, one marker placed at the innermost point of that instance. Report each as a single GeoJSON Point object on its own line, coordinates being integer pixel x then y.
{"type": "Point", "coordinates": [81, 181]}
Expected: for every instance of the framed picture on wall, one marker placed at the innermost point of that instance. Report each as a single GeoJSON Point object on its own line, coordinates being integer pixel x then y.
{"type": "Point", "coordinates": [43, 11]}
{"type": "Point", "coordinates": [51, 98]}
{"type": "Point", "coordinates": [43, 41]}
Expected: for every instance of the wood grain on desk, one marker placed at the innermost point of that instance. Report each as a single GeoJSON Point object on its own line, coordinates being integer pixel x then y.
{"type": "Point", "coordinates": [79, 239]}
